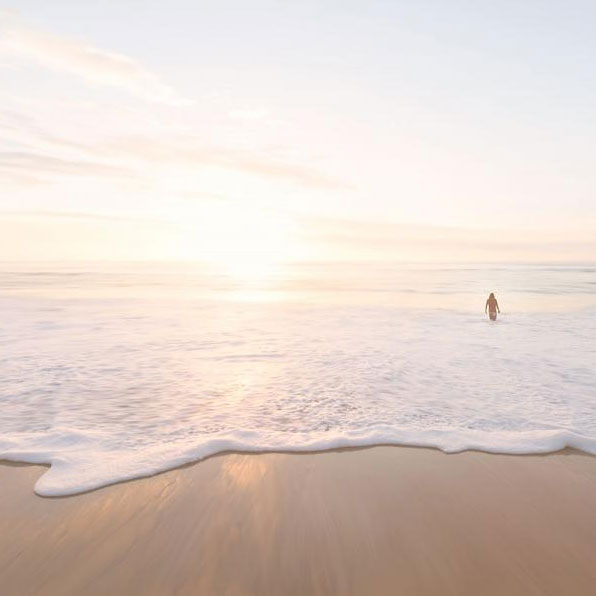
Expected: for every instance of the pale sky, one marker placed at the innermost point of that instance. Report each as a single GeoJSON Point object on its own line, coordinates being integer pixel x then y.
{"type": "Point", "coordinates": [370, 130]}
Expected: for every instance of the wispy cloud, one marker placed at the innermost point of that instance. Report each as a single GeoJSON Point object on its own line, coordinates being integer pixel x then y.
{"type": "Point", "coordinates": [25, 132]}
{"type": "Point", "coordinates": [187, 150]}
{"type": "Point", "coordinates": [42, 150]}
{"type": "Point", "coordinates": [80, 215]}
{"type": "Point", "coordinates": [367, 240]}
{"type": "Point", "coordinates": [93, 64]}
{"type": "Point", "coordinates": [19, 180]}
{"type": "Point", "coordinates": [33, 156]}
{"type": "Point", "coordinates": [20, 163]}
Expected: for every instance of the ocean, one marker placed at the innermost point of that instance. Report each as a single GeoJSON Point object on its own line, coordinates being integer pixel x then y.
{"type": "Point", "coordinates": [115, 371]}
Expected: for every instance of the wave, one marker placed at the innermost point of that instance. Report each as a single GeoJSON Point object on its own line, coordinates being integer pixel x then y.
{"type": "Point", "coordinates": [78, 463]}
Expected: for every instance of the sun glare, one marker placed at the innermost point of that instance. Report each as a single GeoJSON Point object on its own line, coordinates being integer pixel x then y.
{"type": "Point", "coordinates": [248, 246]}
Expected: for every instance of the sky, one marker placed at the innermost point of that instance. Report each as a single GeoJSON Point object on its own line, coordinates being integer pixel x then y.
{"type": "Point", "coordinates": [282, 131]}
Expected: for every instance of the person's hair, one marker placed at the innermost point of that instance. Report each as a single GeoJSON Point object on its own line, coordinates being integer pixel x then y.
{"type": "Point", "coordinates": [491, 295]}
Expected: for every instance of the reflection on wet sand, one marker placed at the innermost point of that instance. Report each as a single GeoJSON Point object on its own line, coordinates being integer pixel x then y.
{"type": "Point", "coordinates": [385, 520]}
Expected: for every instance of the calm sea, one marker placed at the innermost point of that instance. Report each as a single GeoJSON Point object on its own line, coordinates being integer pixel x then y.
{"type": "Point", "coordinates": [114, 371]}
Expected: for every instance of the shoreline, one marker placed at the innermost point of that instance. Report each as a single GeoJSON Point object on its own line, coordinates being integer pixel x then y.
{"type": "Point", "coordinates": [300, 452]}
{"type": "Point", "coordinates": [355, 520]}
{"type": "Point", "coordinates": [190, 464]}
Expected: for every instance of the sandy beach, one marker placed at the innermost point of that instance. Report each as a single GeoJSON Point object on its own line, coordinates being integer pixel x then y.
{"type": "Point", "coordinates": [382, 520]}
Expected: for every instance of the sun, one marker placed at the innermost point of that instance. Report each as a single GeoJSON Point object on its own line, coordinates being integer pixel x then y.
{"type": "Point", "coordinates": [249, 246]}
{"type": "Point", "coordinates": [247, 265]}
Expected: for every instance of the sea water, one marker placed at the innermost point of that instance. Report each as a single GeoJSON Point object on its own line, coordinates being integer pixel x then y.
{"type": "Point", "coordinates": [115, 371]}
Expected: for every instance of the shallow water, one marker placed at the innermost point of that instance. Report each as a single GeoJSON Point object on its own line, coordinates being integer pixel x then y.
{"type": "Point", "coordinates": [116, 371]}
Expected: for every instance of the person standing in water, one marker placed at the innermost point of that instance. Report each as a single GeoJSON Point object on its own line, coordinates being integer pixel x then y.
{"type": "Point", "coordinates": [492, 306]}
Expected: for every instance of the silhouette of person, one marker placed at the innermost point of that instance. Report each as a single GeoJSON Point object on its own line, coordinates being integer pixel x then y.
{"type": "Point", "coordinates": [492, 306]}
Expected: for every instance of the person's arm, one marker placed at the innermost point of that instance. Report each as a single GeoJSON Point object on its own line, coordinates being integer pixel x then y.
{"type": "Point", "coordinates": [486, 307]}
{"type": "Point", "coordinates": [497, 305]}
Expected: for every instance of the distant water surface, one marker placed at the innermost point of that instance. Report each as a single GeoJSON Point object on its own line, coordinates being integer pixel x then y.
{"type": "Point", "coordinates": [114, 371]}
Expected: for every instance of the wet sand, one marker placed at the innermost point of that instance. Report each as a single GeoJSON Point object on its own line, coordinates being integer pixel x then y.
{"type": "Point", "coordinates": [383, 520]}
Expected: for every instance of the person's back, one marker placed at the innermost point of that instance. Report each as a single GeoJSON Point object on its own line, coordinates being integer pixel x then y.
{"type": "Point", "coordinates": [492, 306]}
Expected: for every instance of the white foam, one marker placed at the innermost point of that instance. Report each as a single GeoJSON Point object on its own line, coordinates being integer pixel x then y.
{"type": "Point", "coordinates": [76, 471]}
